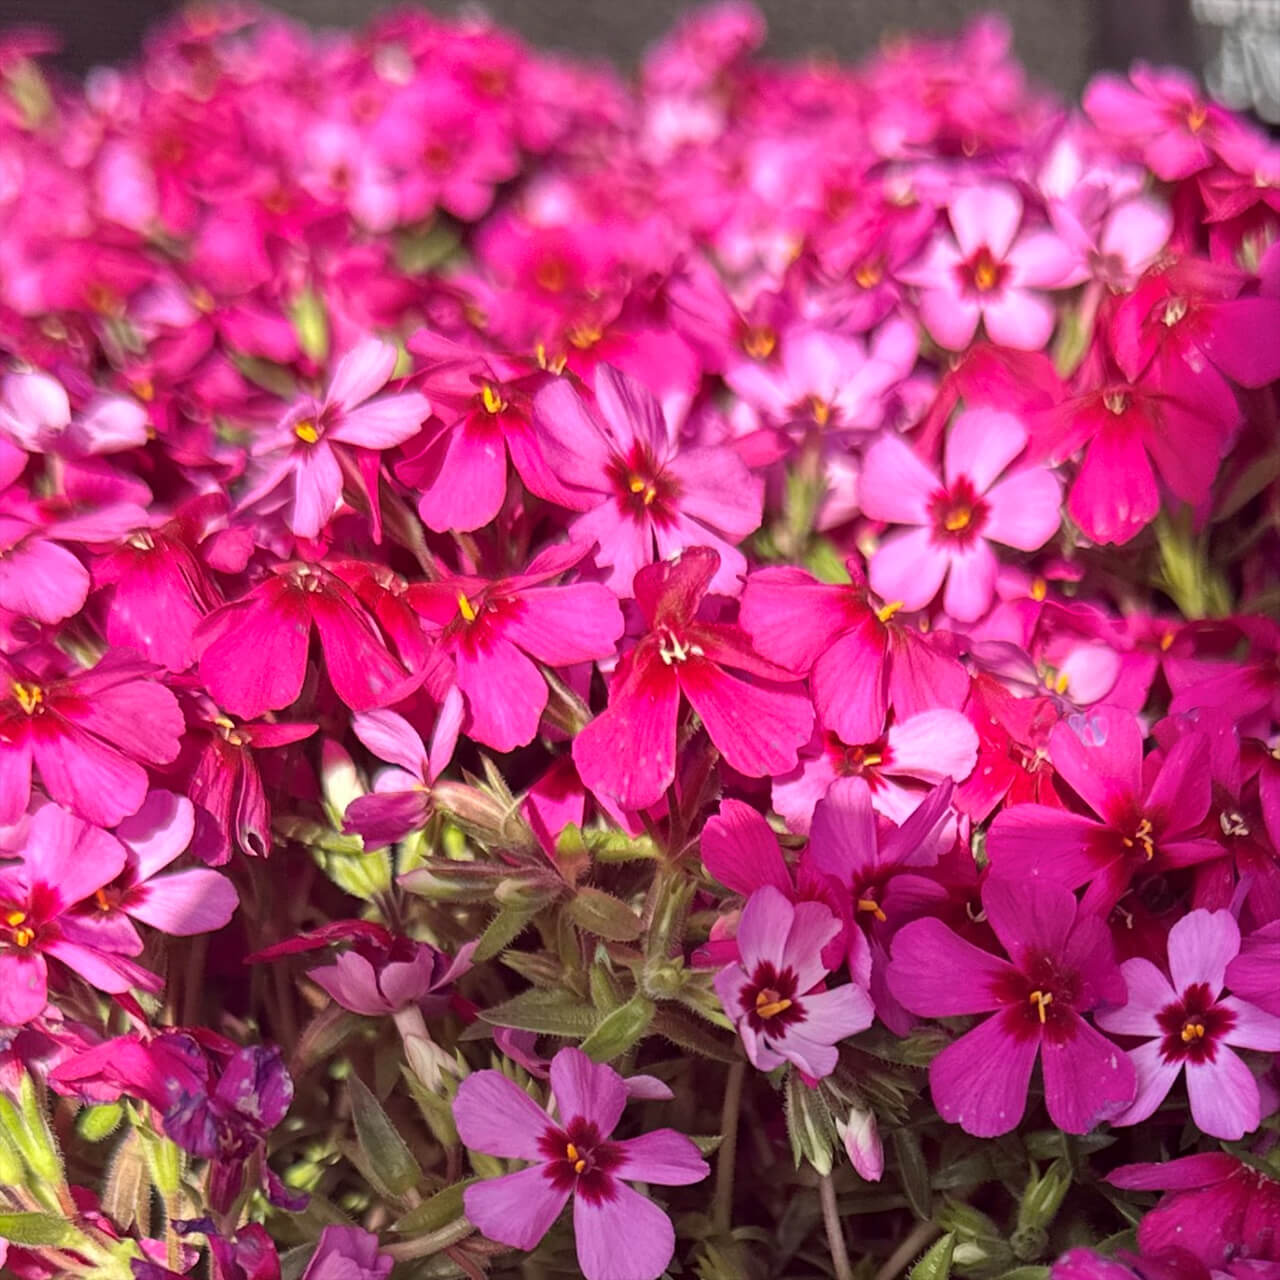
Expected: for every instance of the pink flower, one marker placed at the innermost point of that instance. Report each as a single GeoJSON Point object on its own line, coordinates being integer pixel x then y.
{"type": "Point", "coordinates": [496, 631]}
{"type": "Point", "coordinates": [253, 652]}
{"type": "Point", "coordinates": [401, 800]}
{"type": "Point", "coordinates": [1062, 966]}
{"type": "Point", "coordinates": [621, 1235]}
{"type": "Point", "coordinates": [988, 271]}
{"type": "Point", "coordinates": [628, 752]}
{"type": "Point", "coordinates": [301, 447]}
{"type": "Point", "coordinates": [348, 1253]}
{"type": "Point", "coordinates": [979, 501]}
{"type": "Point", "coordinates": [1190, 1025]}
{"type": "Point", "coordinates": [1219, 1208]}
{"type": "Point", "coordinates": [638, 491]}
{"type": "Point", "coordinates": [1161, 113]}
{"type": "Point", "coordinates": [775, 994]}
{"type": "Point", "coordinates": [36, 415]}
{"type": "Point", "coordinates": [1147, 819]}
{"type": "Point", "coordinates": [860, 658]}
{"type": "Point", "coordinates": [380, 981]}
{"type": "Point", "coordinates": [63, 861]}
{"type": "Point", "coordinates": [88, 734]}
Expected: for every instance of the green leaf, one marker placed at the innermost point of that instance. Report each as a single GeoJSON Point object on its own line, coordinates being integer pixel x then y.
{"type": "Point", "coordinates": [36, 1230]}
{"type": "Point", "coordinates": [432, 1214]}
{"type": "Point", "coordinates": [936, 1263]}
{"type": "Point", "coordinates": [604, 915]}
{"type": "Point", "coordinates": [96, 1124]}
{"type": "Point", "coordinates": [127, 1189]}
{"type": "Point", "coordinates": [621, 1029]}
{"type": "Point", "coordinates": [390, 1159]}
{"type": "Point", "coordinates": [311, 324]}
{"type": "Point", "coordinates": [552, 1013]}
{"type": "Point", "coordinates": [914, 1171]}
{"type": "Point", "coordinates": [502, 931]}
{"type": "Point", "coordinates": [810, 1125]}
{"type": "Point", "coordinates": [694, 1036]}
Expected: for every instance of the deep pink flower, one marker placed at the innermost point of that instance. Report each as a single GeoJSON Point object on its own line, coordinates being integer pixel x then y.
{"type": "Point", "coordinates": [621, 1235]}
{"type": "Point", "coordinates": [301, 446]}
{"type": "Point", "coordinates": [861, 659]}
{"type": "Point", "coordinates": [1062, 966]}
{"type": "Point", "coordinates": [985, 270]}
{"type": "Point", "coordinates": [638, 492]}
{"type": "Point", "coordinates": [1191, 1024]}
{"type": "Point", "coordinates": [1162, 114]}
{"type": "Point", "coordinates": [1219, 1209]}
{"type": "Point", "coordinates": [497, 630]}
{"type": "Point", "coordinates": [253, 652]}
{"type": "Point", "coordinates": [88, 734]}
{"type": "Point", "coordinates": [776, 992]}
{"type": "Point", "coordinates": [978, 501]}
{"type": "Point", "coordinates": [628, 752]}
{"type": "Point", "coordinates": [63, 862]}
{"type": "Point", "coordinates": [1147, 820]}
{"type": "Point", "coordinates": [348, 1253]}
{"type": "Point", "coordinates": [1252, 974]}
{"type": "Point", "coordinates": [36, 415]}
{"type": "Point", "coordinates": [379, 981]}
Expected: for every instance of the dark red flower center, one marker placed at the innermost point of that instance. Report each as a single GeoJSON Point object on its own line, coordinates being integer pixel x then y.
{"type": "Point", "coordinates": [982, 273]}
{"type": "Point", "coordinates": [769, 999]}
{"type": "Point", "coordinates": [1041, 999]}
{"type": "Point", "coordinates": [642, 487]}
{"type": "Point", "coordinates": [866, 761]}
{"type": "Point", "coordinates": [1194, 1026]}
{"type": "Point", "coordinates": [958, 513]}
{"type": "Point", "coordinates": [579, 1159]}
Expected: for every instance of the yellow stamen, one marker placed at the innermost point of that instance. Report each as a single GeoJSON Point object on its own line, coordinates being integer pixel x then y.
{"type": "Point", "coordinates": [1197, 116]}
{"type": "Point", "coordinates": [958, 519]}
{"type": "Point", "coordinates": [986, 275]}
{"type": "Point", "coordinates": [1115, 401]}
{"type": "Point", "coordinates": [759, 342]}
{"type": "Point", "coordinates": [579, 1166]}
{"type": "Point", "coordinates": [1192, 1031]}
{"type": "Point", "coordinates": [144, 389]}
{"type": "Point", "coordinates": [306, 431]}
{"type": "Point", "coordinates": [1042, 1000]}
{"type": "Point", "coordinates": [100, 897]}
{"type": "Point", "coordinates": [571, 1151]}
{"type": "Point", "coordinates": [29, 696]}
{"type": "Point", "coordinates": [1174, 310]}
{"type": "Point", "coordinates": [1061, 682]}
{"type": "Point", "coordinates": [551, 275]}
{"type": "Point", "coordinates": [1166, 641]}
{"type": "Point", "coordinates": [466, 608]}
{"type": "Point", "coordinates": [870, 904]}
{"type": "Point", "coordinates": [1039, 589]}
{"type": "Point", "coordinates": [491, 399]}
{"type": "Point", "coordinates": [821, 411]}
{"type": "Point", "coordinates": [887, 612]}
{"type": "Point", "coordinates": [769, 1003]}
{"type": "Point", "coordinates": [14, 918]}
{"type": "Point", "coordinates": [584, 336]}
{"type": "Point", "coordinates": [868, 275]}
{"type": "Point", "coordinates": [1143, 837]}
{"type": "Point", "coordinates": [640, 486]}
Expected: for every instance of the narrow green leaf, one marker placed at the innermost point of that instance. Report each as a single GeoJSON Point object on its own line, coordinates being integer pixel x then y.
{"type": "Point", "coordinates": [36, 1230]}
{"type": "Point", "coordinates": [624, 1027]}
{"type": "Point", "coordinates": [604, 915]}
{"type": "Point", "coordinates": [936, 1263]}
{"type": "Point", "coordinates": [437, 1211]}
{"type": "Point", "coordinates": [502, 931]}
{"type": "Point", "coordinates": [914, 1172]}
{"type": "Point", "coordinates": [693, 1036]}
{"type": "Point", "coordinates": [388, 1156]}
{"type": "Point", "coordinates": [552, 1013]}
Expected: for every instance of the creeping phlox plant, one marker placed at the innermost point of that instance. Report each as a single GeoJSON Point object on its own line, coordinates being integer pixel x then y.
{"type": "Point", "coordinates": [620, 678]}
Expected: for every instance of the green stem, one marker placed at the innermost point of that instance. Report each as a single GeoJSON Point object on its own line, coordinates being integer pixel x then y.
{"type": "Point", "coordinates": [835, 1235]}
{"type": "Point", "coordinates": [726, 1157]}
{"type": "Point", "coordinates": [921, 1235]}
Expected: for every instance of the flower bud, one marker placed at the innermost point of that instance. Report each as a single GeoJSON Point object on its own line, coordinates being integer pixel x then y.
{"type": "Point", "coordinates": [861, 1138]}
{"type": "Point", "coordinates": [486, 818]}
{"type": "Point", "coordinates": [1040, 1203]}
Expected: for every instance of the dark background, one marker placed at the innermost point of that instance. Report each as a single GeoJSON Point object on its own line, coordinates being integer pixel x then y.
{"type": "Point", "coordinates": [1061, 41]}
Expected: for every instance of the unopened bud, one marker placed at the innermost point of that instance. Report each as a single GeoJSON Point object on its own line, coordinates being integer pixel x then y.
{"type": "Point", "coordinates": [809, 1125]}
{"type": "Point", "coordinates": [488, 819]}
{"type": "Point", "coordinates": [861, 1138]}
{"type": "Point", "coordinates": [1040, 1203]}
{"type": "Point", "coordinates": [34, 1137]}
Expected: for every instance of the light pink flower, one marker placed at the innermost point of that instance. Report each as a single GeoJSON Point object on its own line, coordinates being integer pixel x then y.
{"type": "Point", "coordinates": [980, 499]}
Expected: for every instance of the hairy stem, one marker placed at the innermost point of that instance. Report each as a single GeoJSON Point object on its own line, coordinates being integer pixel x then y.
{"type": "Point", "coordinates": [921, 1234]}
{"type": "Point", "coordinates": [726, 1157]}
{"type": "Point", "coordinates": [835, 1235]}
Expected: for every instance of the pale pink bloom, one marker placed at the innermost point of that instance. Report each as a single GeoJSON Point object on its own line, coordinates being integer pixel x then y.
{"type": "Point", "coordinates": [36, 415]}
{"type": "Point", "coordinates": [985, 270]}
{"type": "Point", "coordinates": [981, 499]}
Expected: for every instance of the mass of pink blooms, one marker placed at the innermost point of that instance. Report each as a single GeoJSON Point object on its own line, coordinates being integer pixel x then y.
{"type": "Point", "coordinates": [634, 675]}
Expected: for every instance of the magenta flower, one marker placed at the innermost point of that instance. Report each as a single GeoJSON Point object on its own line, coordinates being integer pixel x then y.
{"type": "Point", "coordinates": [980, 500]}
{"type": "Point", "coordinates": [1191, 1024]}
{"type": "Point", "coordinates": [1061, 965]}
{"type": "Point", "coordinates": [253, 652]}
{"type": "Point", "coordinates": [621, 1235]}
{"type": "Point", "coordinates": [36, 415]}
{"type": "Point", "coordinates": [301, 447]}
{"type": "Point", "coordinates": [88, 734]}
{"type": "Point", "coordinates": [628, 752]}
{"type": "Point", "coordinates": [379, 979]}
{"type": "Point", "coordinates": [401, 800]}
{"type": "Point", "coordinates": [1219, 1209]}
{"type": "Point", "coordinates": [348, 1253]}
{"type": "Point", "coordinates": [179, 903]}
{"type": "Point", "coordinates": [496, 631]}
{"type": "Point", "coordinates": [636, 490]}
{"type": "Point", "coordinates": [860, 658]}
{"type": "Point", "coordinates": [985, 270]}
{"type": "Point", "coordinates": [775, 994]}
{"type": "Point", "coordinates": [63, 862]}
{"type": "Point", "coordinates": [1145, 820]}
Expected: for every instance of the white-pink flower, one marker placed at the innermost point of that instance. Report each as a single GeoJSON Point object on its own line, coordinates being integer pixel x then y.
{"type": "Point", "coordinates": [1191, 1024]}
{"type": "Point", "coordinates": [987, 270]}
{"type": "Point", "coordinates": [978, 500]}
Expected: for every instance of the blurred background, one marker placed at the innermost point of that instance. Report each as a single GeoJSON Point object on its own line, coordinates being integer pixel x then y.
{"type": "Point", "coordinates": [1235, 44]}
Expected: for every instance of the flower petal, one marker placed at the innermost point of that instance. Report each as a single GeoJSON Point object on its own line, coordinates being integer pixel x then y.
{"type": "Point", "coordinates": [622, 1236]}
{"type": "Point", "coordinates": [1087, 1079]}
{"type": "Point", "coordinates": [517, 1209]}
{"type": "Point", "coordinates": [586, 1089]}
{"type": "Point", "coordinates": [663, 1156]}
{"type": "Point", "coordinates": [1224, 1096]}
{"type": "Point", "coordinates": [495, 1116]}
{"type": "Point", "coordinates": [970, 1091]}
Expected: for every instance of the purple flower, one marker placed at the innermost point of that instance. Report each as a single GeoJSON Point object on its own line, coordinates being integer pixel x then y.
{"type": "Point", "coordinates": [773, 993]}
{"type": "Point", "coordinates": [1062, 965]}
{"type": "Point", "coordinates": [1189, 1025]}
{"type": "Point", "coordinates": [621, 1235]}
{"type": "Point", "coordinates": [348, 1253]}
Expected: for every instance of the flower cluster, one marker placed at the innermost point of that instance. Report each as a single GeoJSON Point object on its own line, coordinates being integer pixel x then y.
{"type": "Point", "coordinates": [750, 592]}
